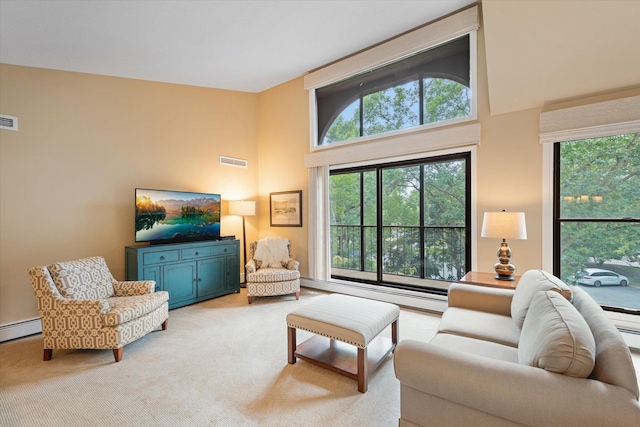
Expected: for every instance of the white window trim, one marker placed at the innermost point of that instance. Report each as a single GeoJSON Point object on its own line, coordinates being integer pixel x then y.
{"type": "Point", "coordinates": [403, 144]}
{"type": "Point", "coordinates": [431, 35]}
{"type": "Point", "coordinates": [613, 117]}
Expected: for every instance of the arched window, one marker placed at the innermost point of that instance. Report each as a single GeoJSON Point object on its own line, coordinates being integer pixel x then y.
{"type": "Point", "coordinates": [431, 86]}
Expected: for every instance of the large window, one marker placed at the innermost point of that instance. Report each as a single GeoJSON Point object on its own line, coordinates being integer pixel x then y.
{"type": "Point", "coordinates": [429, 87]}
{"type": "Point", "coordinates": [402, 224]}
{"type": "Point", "coordinates": [597, 218]}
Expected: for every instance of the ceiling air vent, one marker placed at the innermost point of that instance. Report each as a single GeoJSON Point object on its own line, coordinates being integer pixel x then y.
{"type": "Point", "coordinates": [230, 161]}
{"type": "Point", "coordinates": [8, 122]}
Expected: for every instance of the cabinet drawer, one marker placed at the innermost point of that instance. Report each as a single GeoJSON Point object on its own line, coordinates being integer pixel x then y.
{"type": "Point", "coordinates": [200, 252]}
{"type": "Point", "coordinates": [159, 257]}
{"type": "Point", "coordinates": [224, 249]}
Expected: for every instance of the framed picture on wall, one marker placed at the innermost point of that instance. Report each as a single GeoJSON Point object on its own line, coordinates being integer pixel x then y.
{"type": "Point", "coordinates": [286, 208]}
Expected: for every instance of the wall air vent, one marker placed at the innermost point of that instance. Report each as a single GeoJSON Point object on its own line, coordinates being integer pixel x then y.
{"type": "Point", "coordinates": [230, 161]}
{"type": "Point", "coordinates": [8, 122]}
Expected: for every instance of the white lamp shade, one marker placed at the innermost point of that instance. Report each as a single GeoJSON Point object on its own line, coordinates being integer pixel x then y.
{"type": "Point", "coordinates": [504, 225]}
{"type": "Point", "coordinates": [242, 207]}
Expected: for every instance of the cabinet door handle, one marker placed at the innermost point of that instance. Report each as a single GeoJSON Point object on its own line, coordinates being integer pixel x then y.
{"type": "Point", "coordinates": [225, 249]}
{"type": "Point", "coordinates": [197, 253]}
{"type": "Point", "coordinates": [161, 258]}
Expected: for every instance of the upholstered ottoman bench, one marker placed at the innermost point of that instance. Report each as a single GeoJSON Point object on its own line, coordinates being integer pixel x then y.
{"type": "Point", "coordinates": [341, 325]}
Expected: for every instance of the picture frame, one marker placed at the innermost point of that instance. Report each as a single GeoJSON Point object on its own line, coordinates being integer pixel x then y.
{"type": "Point", "coordinates": [285, 208]}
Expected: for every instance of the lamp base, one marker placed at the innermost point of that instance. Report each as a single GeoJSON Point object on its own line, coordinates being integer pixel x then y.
{"type": "Point", "coordinates": [505, 278]}
{"type": "Point", "coordinates": [504, 271]}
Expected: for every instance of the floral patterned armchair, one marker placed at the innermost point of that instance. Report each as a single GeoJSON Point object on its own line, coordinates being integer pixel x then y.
{"type": "Point", "coordinates": [271, 270]}
{"type": "Point", "coordinates": [82, 306]}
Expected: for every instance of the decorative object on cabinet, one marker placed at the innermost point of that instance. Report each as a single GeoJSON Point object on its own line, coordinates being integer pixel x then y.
{"type": "Point", "coordinates": [504, 225]}
{"type": "Point", "coordinates": [83, 307]}
{"type": "Point", "coordinates": [286, 208]}
{"type": "Point", "coordinates": [243, 208]}
{"type": "Point", "coordinates": [190, 272]}
{"type": "Point", "coordinates": [271, 270]}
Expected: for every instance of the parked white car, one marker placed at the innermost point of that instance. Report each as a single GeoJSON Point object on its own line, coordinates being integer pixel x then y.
{"type": "Point", "coordinates": [596, 277]}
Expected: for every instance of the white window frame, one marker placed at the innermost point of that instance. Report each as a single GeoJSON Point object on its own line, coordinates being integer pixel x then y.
{"type": "Point", "coordinates": [429, 36]}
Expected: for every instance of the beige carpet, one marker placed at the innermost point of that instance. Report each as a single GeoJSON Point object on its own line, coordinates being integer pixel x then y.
{"type": "Point", "coordinates": [220, 363]}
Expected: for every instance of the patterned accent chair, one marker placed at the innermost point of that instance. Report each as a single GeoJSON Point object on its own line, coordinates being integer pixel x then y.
{"type": "Point", "coordinates": [265, 280]}
{"type": "Point", "coordinates": [82, 306]}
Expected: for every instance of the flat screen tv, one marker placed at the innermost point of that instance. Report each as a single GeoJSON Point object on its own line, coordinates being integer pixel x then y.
{"type": "Point", "coordinates": [164, 216]}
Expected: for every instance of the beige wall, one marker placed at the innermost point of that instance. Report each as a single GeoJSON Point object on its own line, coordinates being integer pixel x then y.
{"type": "Point", "coordinates": [84, 143]}
{"type": "Point", "coordinates": [509, 175]}
{"type": "Point", "coordinates": [283, 140]}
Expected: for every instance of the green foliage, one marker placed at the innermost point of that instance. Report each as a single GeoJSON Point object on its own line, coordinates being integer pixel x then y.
{"type": "Point", "coordinates": [445, 100]}
{"type": "Point", "coordinates": [391, 109]}
{"type": "Point", "coordinates": [444, 196]}
{"type": "Point", "coordinates": [398, 108]}
{"type": "Point", "coordinates": [344, 128]}
{"type": "Point", "coordinates": [599, 178]}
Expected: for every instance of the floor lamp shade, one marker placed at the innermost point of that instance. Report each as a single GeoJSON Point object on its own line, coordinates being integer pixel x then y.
{"type": "Point", "coordinates": [504, 225]}
{"type": "Point", "coordinates": [242, 207]}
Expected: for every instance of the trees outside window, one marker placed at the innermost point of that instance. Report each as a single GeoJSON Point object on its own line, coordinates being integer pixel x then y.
{"type": "Point", "coordinates": [402, 224]}
{"type": "Point", "coordinates": [429, 87]}
{"type": "Point", "coordinates": [597, 214]}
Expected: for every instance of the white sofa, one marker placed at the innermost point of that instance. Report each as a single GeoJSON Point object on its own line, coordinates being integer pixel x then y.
{"type": "Point", "coordinates": [525, 357]}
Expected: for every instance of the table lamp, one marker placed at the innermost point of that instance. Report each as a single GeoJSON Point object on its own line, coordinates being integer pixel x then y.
{"type": "Point", "coordinates": [243, 208]}
{"type": "Point", "coordinates": [504, 225]}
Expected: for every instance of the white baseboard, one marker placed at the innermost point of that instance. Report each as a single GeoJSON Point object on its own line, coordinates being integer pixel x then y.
{"type": "Point", "coordinates": [419, 300]}
{"type": "Point", "coordinates": [22, 329]}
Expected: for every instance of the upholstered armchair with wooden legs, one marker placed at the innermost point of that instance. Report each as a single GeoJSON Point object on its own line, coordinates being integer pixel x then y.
{"type": "Point", "coordinates": [83, 307]}
{"type": "Point", "coordinates": [271, 270]}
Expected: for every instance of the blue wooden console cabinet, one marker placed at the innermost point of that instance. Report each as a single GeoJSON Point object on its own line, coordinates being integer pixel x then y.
{"type": "Point", "coordinates": [190, 272]}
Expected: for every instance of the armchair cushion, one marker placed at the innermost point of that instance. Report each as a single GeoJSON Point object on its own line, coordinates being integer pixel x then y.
{"type": "Point", "coordinates": [556, 337]}
{"type": "Point", "coordinates": [87, 278]}
{"type": "Point", "coordinates": [124, 309]}
{"type": "Point", "coordinates": [270, 275]}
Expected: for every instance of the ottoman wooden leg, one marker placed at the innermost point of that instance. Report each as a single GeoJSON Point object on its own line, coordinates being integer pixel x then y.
{"type": "Point", "coordinates": [394, 333]}
{"type": "Point", "coordinates": [363, 371]}
{"type": "Point", "coordinates": [291, 344]}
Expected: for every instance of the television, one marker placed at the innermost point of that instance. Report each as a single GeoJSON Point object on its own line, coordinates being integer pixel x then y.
{"type": "Point", "coordinates": [164, 216]}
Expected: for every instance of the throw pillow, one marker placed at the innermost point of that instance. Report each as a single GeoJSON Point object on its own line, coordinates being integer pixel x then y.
{"type": "Point", "coordinates": [556, 337]}
{"type": "Point", "coordinates": [87, 278]}
{"type": "Point", "coordinates": [531, 282]}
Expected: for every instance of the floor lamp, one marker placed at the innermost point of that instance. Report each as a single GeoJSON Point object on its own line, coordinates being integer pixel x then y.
{"type": "Point", "coordinates": [243, 208]}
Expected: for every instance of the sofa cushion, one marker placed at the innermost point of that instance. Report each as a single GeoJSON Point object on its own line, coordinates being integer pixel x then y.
{"type": "Point", "coordinates": [481, 325]}
{"type": "Point", "coordinates": [478, 347]}
{"type": "Point", "coordinates": [531, 282]}
{"type": "Point", "coordinates": [556, 337]}
{"type": "Point", "coordinates": [87, 278]}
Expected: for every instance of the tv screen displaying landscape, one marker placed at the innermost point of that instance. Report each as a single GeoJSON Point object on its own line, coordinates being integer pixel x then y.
{"type": "Point", "coordinates": [176, 216]}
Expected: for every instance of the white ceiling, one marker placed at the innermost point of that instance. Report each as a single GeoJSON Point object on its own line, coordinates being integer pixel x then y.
{"type": "Point", "coordinates": [239, 45]}
{"type": "Point", "coordinates": [537, 51]}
